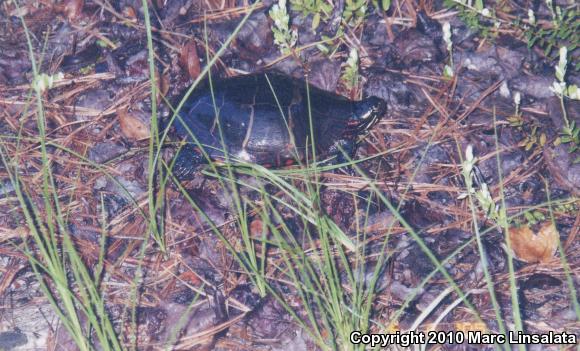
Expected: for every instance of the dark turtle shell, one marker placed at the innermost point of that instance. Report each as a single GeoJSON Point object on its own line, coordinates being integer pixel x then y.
{"type": "Point", "coordinates": [267, 119]}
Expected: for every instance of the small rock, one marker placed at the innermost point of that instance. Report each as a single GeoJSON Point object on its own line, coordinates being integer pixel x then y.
{"type": "Point", "coordinates": [380, 222]}
{"type": "Point", "coordinates": [13, 65]}
{"type": "Point", "coordinates": [106, 151]}
{"type": "Point", "coordinates": [394, 89]}
{"type": "Point", "coordinates": [561, 167]}
{"type": "Point", "coordinates": [122, 187]}
{"type": "Point", "coordinates": [191, 321]}
{"type": "Point", "coordinates": [137, 66]}
{"type": "Point", "coordinates": [563, 164]}
{"type": "Point", "coordinates": [100, 183]}
{"type": "Point", "coordinates": [483, 62]}
{"type": "Point", "coordinates": [375, 32]}
{"type": "Point", "coordinates": [533, 86]}
{"type": "Point", "coordinates": [132, 187]}
{"type": "Point", "coordinates": [91, 103]}
{"type": "Point", "coordinates": [415, 47]}
{"type": "Point", "coordinates": [255, 38]}
{"type": "Point", "coordinates": [11, 339]}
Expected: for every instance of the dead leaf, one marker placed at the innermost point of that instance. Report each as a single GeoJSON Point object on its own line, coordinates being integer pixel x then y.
{"type": "Point", "coordinates": [534, 248]}
{"type": "Point", "coordinates": [73, 9]}
{"type": "Point", "coordinates": [134, 124]}
{"type": "Point", "coordinates": [190, 278]}
{"type": "Point", "coordinates": [189, 59]}
{"type": "Point", "coordinates": [257, 228]}
{"type": "Point", "coordinates": [163, 85]}
{"type": "Point", "coordinates": [130, 13]}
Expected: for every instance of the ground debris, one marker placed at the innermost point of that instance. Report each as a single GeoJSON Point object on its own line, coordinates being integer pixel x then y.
{"type": "Point", "coordinates": [259, 262]}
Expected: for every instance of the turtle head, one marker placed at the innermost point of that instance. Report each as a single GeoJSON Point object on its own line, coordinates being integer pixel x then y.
{"type": "Point", "coordinates": [368, 111]}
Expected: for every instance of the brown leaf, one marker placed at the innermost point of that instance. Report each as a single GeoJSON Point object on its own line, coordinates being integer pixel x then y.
{"type": "Point", "coordinates": [189, 59]}
{"type": "Point", "coordinates": [190, 278]}
{"type": "Point", "coordinates": [534, 248]}
{"type": "Point", "coordinates": [130, 14]}
{"type": "Point", "coordinates": [73, 8]}
{"type": "Point", "coordinates": [134, 124]}
{"type": "Point", "coordinates": [163, 84]}
{"type": "Point", "coordinates": [257, 228]}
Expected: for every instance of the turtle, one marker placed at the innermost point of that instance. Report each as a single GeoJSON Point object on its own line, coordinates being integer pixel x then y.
{"type": "Point", "coordinates": [269, 119]}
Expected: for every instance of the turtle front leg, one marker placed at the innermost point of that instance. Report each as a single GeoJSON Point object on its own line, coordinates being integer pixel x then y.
{"type": "Point", "coordinates": [187, 161]}
{"type": "Point", "coordinates": [343, 152]}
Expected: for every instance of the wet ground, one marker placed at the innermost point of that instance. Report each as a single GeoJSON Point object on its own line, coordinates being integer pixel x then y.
{"type": "Point", "coordinates": [497, 100]}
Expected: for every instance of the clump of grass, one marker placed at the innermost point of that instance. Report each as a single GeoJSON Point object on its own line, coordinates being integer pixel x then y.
{"type": "Point", "coordinates": [69, 285]}
{"type": "Point", "coordinates": [350, 76]}
{"type": "Point", "coordinates": [352, 16]}
{"type": "Point", "coordinates": [384, 5]}
{"type": "Point", "coordinates": [499, 216]}
{"type": "Point", "coordinates": [155, 193]}
{"type": "Point", "coordinates": [448, 70]}
{"type": "Point", "coordinates": [570, 133]}
{"type": "Point", "coordinates": [476, 16]}
{"type": "Point", "coordinates": [354, 12]}
{"type": "Point", "coordinates": [284, 37]}
{"type": "Point", "coordinates": [72, 286]}
{"type": "Point", "coordinates": [564, 28]}
{"type": "Point", "coordinates": [319, 9]}
{"type": "Point", "coordinates": [533, 137]}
